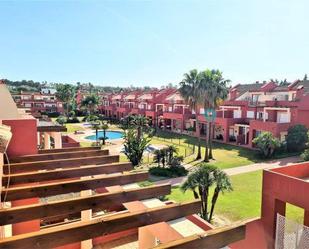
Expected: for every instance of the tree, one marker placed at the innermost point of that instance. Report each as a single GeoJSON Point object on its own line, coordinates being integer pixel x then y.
{"type": "Point", "coordinates": [190, 92]}
{"type": "Point", "coordinates": [297, 138]}
{"type": "Point", "coordinates": [213, 87]}
{"type": "Point", "coordinates": [65, 93]}
{"type": "Point", "coordinates": [199, 181]}
{"type": "Point", "coordinates": [104, 127]}
{"type": "Point", "coordinates": [170, 150]}
{"type": "Point", "coordinates": [96, 126]}
{"type": "Point", "coordinates": [141, 123]}
{"type": "Point", "coordinates": [266, 143]}
{"type": "Point", "coordinates": [305, 77]}
{"type": "Point", "coordinates": [138, 122]}
{"type": "Point", "coordinates": [90, 103]}
{"type": "Point", "coordinates": [223, 183]}
{"type": "Point", "coordinates": [134, 147]}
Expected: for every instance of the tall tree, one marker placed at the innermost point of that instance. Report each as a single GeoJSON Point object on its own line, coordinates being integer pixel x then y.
{"type": "Point", "coordinates": [65, 93]}
{"type": "Point", "coordinates": [90, 103]}
{"type": "Point", "coordinates": [214, 90]}
{"type": "Point", "coordinates": [189, 90]}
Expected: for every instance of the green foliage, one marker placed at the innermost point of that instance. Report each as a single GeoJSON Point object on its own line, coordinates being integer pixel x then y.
{"type": "Point", "coordinates": [91, 118]}
{"type": "Point", "coordinates": [90, 103]}
{"type": "Point", "coordinates": [166, 156]}
{"type": "Point", "coordinates": [297, 138]}
{"type": "Point", "coordinates": [200, 181]}
{"type": "Point", "coordinates": [66, 93]}
{"type": "Point", "coordinates": [208, 89]}
{"type": "Point", "coordinates": [61, 120]}
{"type": "Point", "coordinates": [174, 171]}
{"type": "Point", "coordinates": [72, 120]}
{"type": "Point", "coordinates": [305, 155]}
{"type": "Point", "coordinates": [267, 144]}
{"type": "Point", "coordinates": [104, 126]}
{"type": "Point", "coordinates": [134, 146]}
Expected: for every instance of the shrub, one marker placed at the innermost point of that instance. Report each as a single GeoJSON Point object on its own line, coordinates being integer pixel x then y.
{"type": "Point", "coordinates": [61, 120]}
{"type": "Point", "coordinates": [297, 138]}
{"type": "Point", "coordinates": [90, 118]}
{"type": "Point", "coordinates": [168, 172]}
{"type": "Point", "coordinates": [73, 120]}
{"type": "Point", "coordinates": [134, 146]}
{"type": "Point", "coordinates": [267, 144]}
{"type": "Point", "coordinates": [52, 114]}
{"type": "Point", "coordinates": [305, 155]}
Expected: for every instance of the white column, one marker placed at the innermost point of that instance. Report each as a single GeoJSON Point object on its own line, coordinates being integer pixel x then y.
{"type": "Point", "coordinates": [223, 110]}
{"type": "Point", "coordinates": [39, 138]}
{"type": "Point", "coordinates": [57, 139]}
{"type": "Point", "coordinates": [86, 215]}
{"type": "Point", "coordinates": [264, 115]}
{"type": "Point", "coordinates": [46, 140]}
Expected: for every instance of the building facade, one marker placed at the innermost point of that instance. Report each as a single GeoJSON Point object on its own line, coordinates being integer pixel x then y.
{"type": "Point", "coordinates": [249, 110]}
{"type": "Point", "coordinates": [38, 102]}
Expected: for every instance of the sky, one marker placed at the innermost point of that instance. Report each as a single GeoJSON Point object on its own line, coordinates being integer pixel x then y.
{"type": "Point", "coordinates": [153, 43]}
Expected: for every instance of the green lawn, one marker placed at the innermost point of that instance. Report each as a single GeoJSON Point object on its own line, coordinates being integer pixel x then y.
{"type": "Point", "coordinates": [226, 156]}
{"type": "Point", "coordinates": [243, 203]}
{"type": "Point", "coordinates": [73, 127]}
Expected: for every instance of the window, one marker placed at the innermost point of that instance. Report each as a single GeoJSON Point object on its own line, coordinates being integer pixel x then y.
{"type": "Point", "coordinates": [250, 114]}
{"type": "Point", "coordinates": [283, 117]}
{"type": "Point", "coordinates": [237, 114]}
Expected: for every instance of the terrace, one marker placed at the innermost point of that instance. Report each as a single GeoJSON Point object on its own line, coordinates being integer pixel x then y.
{"type": "Point", "coordinates": [32, 220]}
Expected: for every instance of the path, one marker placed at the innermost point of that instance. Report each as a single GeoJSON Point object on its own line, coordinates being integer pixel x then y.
{"type": "Point", "coordinates": [238, 170]}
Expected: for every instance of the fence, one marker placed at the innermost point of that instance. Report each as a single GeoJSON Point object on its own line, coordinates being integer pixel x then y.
{"type": "Point", "coordinates": [175, 139]}
{"type": "Point", "coordinates": [290, 234]}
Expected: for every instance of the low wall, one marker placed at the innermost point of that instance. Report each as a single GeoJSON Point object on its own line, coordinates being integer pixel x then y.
{"type": "Point", "coordinates": [68, 141]}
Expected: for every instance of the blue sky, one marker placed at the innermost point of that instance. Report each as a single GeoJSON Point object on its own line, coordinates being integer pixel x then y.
{"type": "Point", "coordinates": [154, 42]}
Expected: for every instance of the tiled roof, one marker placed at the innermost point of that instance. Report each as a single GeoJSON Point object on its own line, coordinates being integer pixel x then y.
{"type": "Point", "coordinates": [242, 88]}
{"type": "Point", "coordinates": [302, 84]}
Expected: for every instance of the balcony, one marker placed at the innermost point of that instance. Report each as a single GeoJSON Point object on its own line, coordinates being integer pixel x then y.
{"type": "Point", "coordinates": [178, 114]}
{"type": "Point", "coordinates": [271, 126]}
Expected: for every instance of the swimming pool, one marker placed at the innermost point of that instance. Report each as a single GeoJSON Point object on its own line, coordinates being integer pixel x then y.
{"type": "Point", "coordinates": [109, 134]}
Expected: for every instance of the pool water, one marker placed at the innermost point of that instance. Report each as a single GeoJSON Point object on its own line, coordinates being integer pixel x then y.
{"type": "Point", "coordinates": [109, 134]}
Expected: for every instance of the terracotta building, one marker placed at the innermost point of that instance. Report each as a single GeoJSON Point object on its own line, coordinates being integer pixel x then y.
{"type": "Point", "coordinates": [249, 110]}
{"type": "Point", "coordinates": [38, 102]}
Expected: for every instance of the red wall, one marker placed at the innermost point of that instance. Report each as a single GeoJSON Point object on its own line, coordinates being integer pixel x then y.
{"type": "Point", "coordinates": [24, 139]}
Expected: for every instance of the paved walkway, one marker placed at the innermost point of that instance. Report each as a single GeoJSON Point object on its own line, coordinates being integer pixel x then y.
{"type": "Point", "coordinates": [238, 170]}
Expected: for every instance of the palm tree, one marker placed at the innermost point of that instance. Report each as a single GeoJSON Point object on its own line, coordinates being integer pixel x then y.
{"type": "Point", "coordinates": [214, 89]}
{"type": "Point", "coordinates": [104, 127]}
{"type": "Point", "coordinates": [223, 183]}
{"type": "Point", "coordinates": [141, 123]}
{"type": "Point", "coordinates": [199, 181]}
{"type": "Point", "coordinates": [65, 93]}
{"type": "Point", "coordinates": [96, 126]}
{"type": "Point", "coordinates": [90, 103]}
{"type": "Point", "coordinates": [192, 96]}
{"type": "Point", "coordinates": [170, 150]}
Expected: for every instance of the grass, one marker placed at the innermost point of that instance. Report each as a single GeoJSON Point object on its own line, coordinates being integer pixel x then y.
{"type": "Point", "coordinates": [71, 128]}
{"type": "Point", "coordinates": [226, 156]}
{"type": "Point", "coordinates": [242, 203]}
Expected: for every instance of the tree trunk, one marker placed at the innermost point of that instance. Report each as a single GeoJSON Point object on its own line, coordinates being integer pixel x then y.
{"type": "Point", "coordinates": [195, 194]}
{"type": "Point", "coordinates": [104, 136]}
{"type": "Point", "coordinates": [204, 199]}
{"type": "Point", "coordinates": [199, 154]}
{"type": "Point", "coordinates": [206, 157]}
{"type": "Point", "coordinates": [213, 203]}
{"type": "Point", "coordinates": [210, 141]}
{"type": "Point", "coordinates": [139, 133]}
